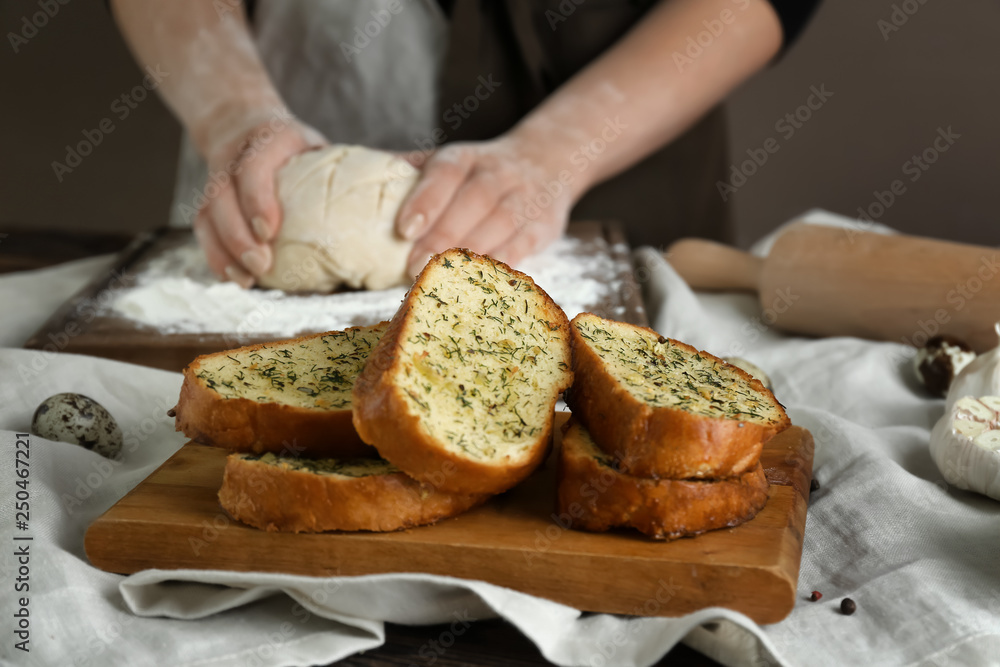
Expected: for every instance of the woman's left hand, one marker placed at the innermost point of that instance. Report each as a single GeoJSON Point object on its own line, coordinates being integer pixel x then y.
{"type": "Point", "coordinates": [501, 197]}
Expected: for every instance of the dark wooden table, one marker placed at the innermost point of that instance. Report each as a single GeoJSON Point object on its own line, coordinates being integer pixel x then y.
{"type": "Point", "coordinates": [491, 643]}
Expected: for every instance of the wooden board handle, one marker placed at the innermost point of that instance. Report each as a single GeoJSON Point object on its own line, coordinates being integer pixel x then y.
{"type": "Point", "coordinates": [708, 265]}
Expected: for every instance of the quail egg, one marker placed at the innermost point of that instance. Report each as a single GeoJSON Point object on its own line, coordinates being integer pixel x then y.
{"type": "Point", "coordinates": [80, 420]}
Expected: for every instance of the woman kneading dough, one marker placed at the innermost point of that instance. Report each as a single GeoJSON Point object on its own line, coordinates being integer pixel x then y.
{"type": "Point", "coordinates": [335, 144]}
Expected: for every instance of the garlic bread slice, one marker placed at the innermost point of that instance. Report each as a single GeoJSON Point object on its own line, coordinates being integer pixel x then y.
{"type": "Point", "coordinates": [291, 396]}
{"type": "Point", "coordinates": [664, 409]}
{"type": "Point", "coordinates": [461, 390]}
{"type": "Point", "coordinates": [288, 494]}
{"type": "Point", "coordinates": [598, 496]}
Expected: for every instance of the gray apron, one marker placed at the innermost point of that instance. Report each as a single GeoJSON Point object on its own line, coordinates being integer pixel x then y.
{"type": "Point", "coordinates": [360, 74]}
{"type": "Point", "coordinates": [354, 71]}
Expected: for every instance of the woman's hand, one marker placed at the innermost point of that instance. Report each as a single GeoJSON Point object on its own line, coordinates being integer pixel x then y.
{"type": "Point", "coordinates": [241, 214]}
{"type": "Point", "coordinates": [501, 197]}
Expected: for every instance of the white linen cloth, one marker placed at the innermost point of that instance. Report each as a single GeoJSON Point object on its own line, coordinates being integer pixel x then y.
{"type": "Point", "coordinates": [918, 557]}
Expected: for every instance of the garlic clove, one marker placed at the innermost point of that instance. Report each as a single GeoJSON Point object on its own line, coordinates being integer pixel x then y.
{"type": "Point", "coordinates": [965, 445]}
{"type": "Point", "coordinates": [989, 440]}
{"type": "Point", "coordinates": [969, 429]}
{"type": "Point", "coordinates": [970, 408]}
{"type": "Point", "coordinates": [981, 377]}
{"type": "Point", "coordinates": [992, 402]}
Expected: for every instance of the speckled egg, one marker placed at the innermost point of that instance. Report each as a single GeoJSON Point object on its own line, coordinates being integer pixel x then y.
{"type": "Point", "coordinates": [80, 420]}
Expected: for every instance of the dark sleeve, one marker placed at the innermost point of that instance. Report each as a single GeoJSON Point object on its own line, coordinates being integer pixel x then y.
{"type": "Point", "coordinates": [794, 15]}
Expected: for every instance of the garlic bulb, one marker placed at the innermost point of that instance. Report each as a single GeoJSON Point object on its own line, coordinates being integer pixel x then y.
{"type": "Point", "coordinates": [979, 378]}
{"type": "Point", "coordinates": [965, 445]}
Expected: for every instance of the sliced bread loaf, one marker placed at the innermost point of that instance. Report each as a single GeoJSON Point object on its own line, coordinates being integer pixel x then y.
{"type": "Point", "coordinates": [597, 496]}
{"type": "Point", "coordinates": [664, 409]}
{"type": "Point", "coordinates": [460, 392]}
{"type": "Point", "coordinates": [291, 396]}
{"type": "Point", "coordinates": [287, 494]}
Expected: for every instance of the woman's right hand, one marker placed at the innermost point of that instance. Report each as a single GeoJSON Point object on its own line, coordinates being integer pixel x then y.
{"type": "Point", "coordinates": [241, 214]}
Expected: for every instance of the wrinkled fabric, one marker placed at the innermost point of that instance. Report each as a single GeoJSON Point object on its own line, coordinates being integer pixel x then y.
{"type": "Point", "coordinates": [918, 556]}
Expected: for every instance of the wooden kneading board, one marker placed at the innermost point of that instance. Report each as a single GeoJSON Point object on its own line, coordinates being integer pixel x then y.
{"type": "Point", "coordinates": [173, 520]}
{"type": "Point", "coordinates": [78, 328]}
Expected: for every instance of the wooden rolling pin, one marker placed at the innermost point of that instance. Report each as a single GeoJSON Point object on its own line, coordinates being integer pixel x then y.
{"type": "Point", "coordinates": [829, 281]}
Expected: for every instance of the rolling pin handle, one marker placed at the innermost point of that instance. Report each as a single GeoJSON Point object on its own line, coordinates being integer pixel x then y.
{"type": "Point", "coordinates": [708, 265]}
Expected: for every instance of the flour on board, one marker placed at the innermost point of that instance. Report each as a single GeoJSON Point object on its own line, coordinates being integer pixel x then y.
{"type": "Point", "coordinates": [176, 293]}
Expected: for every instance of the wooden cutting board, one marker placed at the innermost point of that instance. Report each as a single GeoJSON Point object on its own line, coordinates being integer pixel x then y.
{"type": "Point", "coordinates": [173, 520]}
{"type": "Point", "coordinates": [85, 325]}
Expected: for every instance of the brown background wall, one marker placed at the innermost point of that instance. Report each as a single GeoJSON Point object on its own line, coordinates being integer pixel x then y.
{"type": "Point", "coordinates": [939, 69]}
{"type": "Point", "coordinates": [890, 96]}
{"type": "Point", "coordinates": [59, 84]}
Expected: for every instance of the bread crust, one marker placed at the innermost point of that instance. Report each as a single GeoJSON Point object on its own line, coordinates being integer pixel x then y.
{"type": "Point", "coordinates": [662, 442]}
{"type": "Point", "coordinates": [383, 417]}
{"type": "Point", "coordinates": [245, 425]}
{"type": "Point", "coordinates": [596, 497]}
{"type": "Point", "coordinates": [274, 499]}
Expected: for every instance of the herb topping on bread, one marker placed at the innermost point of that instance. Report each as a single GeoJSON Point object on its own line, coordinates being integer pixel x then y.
{"type": "Point", "coordinates": [461, 389]}
{"type": "Point", "coordinates": [663, 408]}
{"type": "Point", "coordinates": [290, 396]}
{"type": "Point", "coordinates": [664, 373]}
{"type": "Point", "coordinates": [311, 372]}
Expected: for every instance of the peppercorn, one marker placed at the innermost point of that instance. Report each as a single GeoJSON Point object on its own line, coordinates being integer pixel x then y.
{"type": "Point", "coordinates": [816, 596]}
{"type": "Point", "coordinates": [662, 341]}
{"type": "Point", "coordinates": [848, 607]}
{"type": "Point", "coordinates": [814, 485]}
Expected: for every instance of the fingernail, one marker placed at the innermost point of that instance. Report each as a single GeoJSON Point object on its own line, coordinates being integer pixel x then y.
{"type": "Point", "coordinates": [417, 267]}
{"type": "Point", "coordinates": [257, 260]}
{"type": "Point", "coordinates": [239, 276]}
{"type": "Point", "coordinates": [260, 229]}
{"type": "Point", "coordinates": [412, 226]}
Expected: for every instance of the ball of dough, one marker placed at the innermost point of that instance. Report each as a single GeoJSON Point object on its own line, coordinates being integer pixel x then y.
{"type": "Point", "coordinates": [339, 206]}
